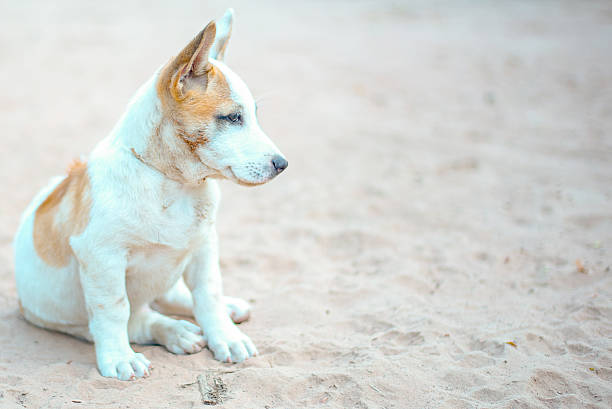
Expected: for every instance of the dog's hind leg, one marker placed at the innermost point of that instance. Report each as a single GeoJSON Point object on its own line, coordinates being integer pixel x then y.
{"type": "Point", "coordinates": [150, 327]}
{"type": "Point", "coordinates": [238, 309]}
{"type": "Point", "coordinates": [178, 301]}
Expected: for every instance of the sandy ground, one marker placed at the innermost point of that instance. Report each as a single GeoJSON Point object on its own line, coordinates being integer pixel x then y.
{"type": "Point", "coordinates": [441, 239]}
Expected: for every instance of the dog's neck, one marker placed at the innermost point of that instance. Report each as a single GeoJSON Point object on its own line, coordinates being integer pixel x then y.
{"type": "Point", "coordinates": [155, 140]}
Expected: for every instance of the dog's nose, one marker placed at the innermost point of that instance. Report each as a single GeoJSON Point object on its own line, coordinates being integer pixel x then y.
{"type": "Point", "coordinates": [279, 163]}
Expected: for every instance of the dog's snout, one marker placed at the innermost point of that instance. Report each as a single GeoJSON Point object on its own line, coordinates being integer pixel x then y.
{"type": "Point", "coordinates": [279, 163]}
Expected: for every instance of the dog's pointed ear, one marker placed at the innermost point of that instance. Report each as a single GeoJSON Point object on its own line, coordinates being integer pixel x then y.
{"type": "Point", "coordinates": [224, 31]}
{"type": "Point", "coordinates": [192, 61]}
{"type": "Point", "coordinates": [198, 64]}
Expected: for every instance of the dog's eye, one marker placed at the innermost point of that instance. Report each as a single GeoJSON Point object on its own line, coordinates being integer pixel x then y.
{"type": "Point", "coordinates": [234, 117]}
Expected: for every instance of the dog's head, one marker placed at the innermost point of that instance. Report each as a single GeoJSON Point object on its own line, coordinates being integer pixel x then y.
{"type": "Point", "coordinates": [214, 113]}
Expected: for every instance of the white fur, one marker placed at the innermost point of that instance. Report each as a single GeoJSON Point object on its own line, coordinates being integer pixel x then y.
{"type": "Point", "coordinates": [150, 239]}
{"type": "Point", "coordinates": [241, 153]}
{"type": "Point", "coordinates": [224, 28]}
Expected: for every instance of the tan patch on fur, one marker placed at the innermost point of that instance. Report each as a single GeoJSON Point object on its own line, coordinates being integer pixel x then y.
{"type": "Point", "coordinates": [198, 99]}
{"type": "Point", "coordinates": [198, 104]}
{"type": "Point", "coordinates": [63, 214]}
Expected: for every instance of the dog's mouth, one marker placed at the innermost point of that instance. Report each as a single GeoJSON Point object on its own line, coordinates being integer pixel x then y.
{"type": "Point", "coordinates": [229, 173]}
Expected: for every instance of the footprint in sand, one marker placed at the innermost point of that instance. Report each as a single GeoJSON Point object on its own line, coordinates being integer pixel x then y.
{"type": "Point", "coordinates": [540, 344]}
{"type": "Point", "coordinates": [475, 359]}
{"type": "Point", "coordinates": [393, 342]}
{"type": "Point", "coordinates": [579, 348]}
{"type": "Point", "coordinates": [463, 379]}
{"type": "Point", "coordinates": [548, 384]}
{"type": "Point", "coordinates": [488, 395]}
{"type": "Point", "coordinates": [492, 348]}
{"type": "Point", "coordinates": [339, 388]}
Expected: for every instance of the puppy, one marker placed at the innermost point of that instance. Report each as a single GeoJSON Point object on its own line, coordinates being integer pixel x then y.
{"type": "Point", "coordinates": [134, 226]}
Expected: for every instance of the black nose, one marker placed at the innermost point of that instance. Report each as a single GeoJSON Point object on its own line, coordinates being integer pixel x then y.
{"type": "Point", "coordinates": [279, 163]}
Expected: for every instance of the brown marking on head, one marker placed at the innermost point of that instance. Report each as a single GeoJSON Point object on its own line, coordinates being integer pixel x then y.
{"type": "Point", "coordinates": [192, 91]}
{"type": "Point", "coordinates": [63, 214]}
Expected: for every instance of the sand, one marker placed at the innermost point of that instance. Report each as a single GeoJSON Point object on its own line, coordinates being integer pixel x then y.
{"type": "Point", "coordinates": [441, 239]}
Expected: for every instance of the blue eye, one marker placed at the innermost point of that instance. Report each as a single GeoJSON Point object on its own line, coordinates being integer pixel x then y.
{"type": "Point", "coordinates": [234, 117]}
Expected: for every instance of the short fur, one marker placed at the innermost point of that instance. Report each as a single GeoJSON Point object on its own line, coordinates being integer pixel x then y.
{"type": "Point", "coordinates": [134, 227]}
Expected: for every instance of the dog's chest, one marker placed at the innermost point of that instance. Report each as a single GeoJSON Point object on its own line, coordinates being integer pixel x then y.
{"type": "Point", "coordinates": [178, 219]}
{"type": "Point", "coordinates": [172, 226]}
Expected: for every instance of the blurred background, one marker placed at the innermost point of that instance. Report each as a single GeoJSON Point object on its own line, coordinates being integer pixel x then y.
{"type": "Point", "coordinates": [448, 195]}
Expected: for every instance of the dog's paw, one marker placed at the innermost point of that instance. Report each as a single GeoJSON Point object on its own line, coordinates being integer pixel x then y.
{"type": "Point", "coordinates": [184, 338]}
{"type": "Point", "coordinates": [124, 366]}
{"type": "Point", "coordinates": [229, 344]}
{"type": "Point", "coordinates": [238, 309]}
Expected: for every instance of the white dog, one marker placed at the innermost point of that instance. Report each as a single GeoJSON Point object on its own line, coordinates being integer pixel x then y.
{"type": "Point", "coordinates": [135, 225]}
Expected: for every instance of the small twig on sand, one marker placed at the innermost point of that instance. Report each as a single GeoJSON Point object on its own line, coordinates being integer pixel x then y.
{"type": "Point", "coordinates": [376, 389]}
{"type": "Point", "coordinates": [186, 385]}
{"type": "Point", "coordinates": [212, 388]}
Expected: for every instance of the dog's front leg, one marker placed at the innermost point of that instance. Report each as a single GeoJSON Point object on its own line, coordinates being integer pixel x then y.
{"type": "Point", "coordinates": [102, 276]}
{"type": "Point", "coordinates": [203, 278]}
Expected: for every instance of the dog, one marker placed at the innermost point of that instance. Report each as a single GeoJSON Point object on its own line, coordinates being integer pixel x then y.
{"type": "Point", "coordinates": [128, 237]}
